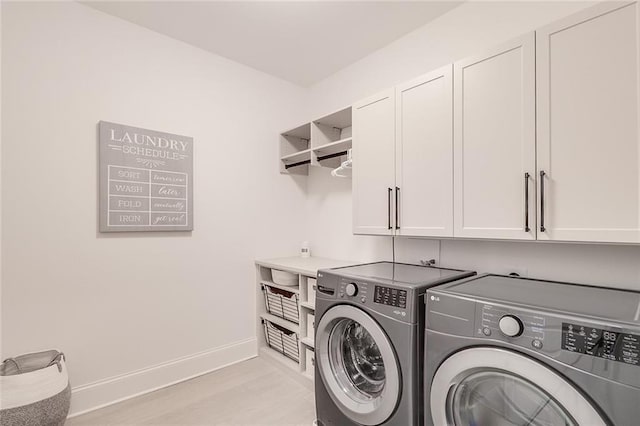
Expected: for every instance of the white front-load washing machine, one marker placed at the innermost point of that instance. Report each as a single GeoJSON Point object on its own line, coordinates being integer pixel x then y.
{"type": "Point", "coordinates": [505, 351]}
{"type": "Point", "coordinates": [368, 342]}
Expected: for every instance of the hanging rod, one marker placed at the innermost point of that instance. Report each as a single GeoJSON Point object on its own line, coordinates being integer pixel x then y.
{"type": "Point", "coordinates": [299, 163]}
{"type": "Point", "coordinates": [337, 154]}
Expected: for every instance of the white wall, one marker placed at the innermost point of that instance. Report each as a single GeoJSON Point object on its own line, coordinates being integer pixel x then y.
{"type": "Point", "coordinates": [123, 303]}
{"type": "Point", "coordinates": [467, 29]}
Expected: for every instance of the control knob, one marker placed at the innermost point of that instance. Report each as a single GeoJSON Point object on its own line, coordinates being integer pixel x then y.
{"type": "Point", "coordinates": [351, 289]}
{"type": "Point", "coordinates": [510, 326]}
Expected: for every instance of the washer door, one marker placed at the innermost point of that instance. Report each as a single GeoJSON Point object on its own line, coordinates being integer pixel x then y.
{"type": "Point", "coordinates": [357, 364]}
{"type": "Point", "coordinates": [490, 386]}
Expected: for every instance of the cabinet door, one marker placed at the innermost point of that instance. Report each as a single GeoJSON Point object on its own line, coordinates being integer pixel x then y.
{"type": "Point", "coordinates": [373, 165]}
{"type": "Point", "coordinates": [588, 147]}
{"type": "Point", "coordinates": [494, 143]}
{"type": "Point", "coordinates": [424, 155]}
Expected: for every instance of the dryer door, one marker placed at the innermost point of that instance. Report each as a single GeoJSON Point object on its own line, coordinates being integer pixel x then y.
{"type": "Point", "coordinates": [491, 386]}
{"type": "Point", "coordinates": [357, 364]}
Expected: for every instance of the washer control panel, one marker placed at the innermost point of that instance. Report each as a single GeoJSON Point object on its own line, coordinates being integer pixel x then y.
{"type": "Point", "coordinates": [391, 301]}
{"type": "Point", "coordinates": [390, 296]}
{"type": "Point", "coordinates": [351, 289]}
{"type": "Point", "coordinates": [355, 291]}
{"type": "Point", "coordinates": [601, 343]}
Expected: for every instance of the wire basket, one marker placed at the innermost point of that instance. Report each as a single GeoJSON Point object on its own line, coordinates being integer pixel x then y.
{"type": "Point", "coordinates": [282, 340]}
{"type": "Point", "coordinates": [281, 303]}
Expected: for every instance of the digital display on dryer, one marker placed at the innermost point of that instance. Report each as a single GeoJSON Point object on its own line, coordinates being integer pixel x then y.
{"type": "Point", "coordinates": [390, 296]}
{"type": "Point", "coordinates": [611, 345]}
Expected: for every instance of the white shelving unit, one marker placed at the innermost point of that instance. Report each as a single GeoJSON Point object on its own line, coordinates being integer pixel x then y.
{"type": "Point", "coordinates": [307, 305]}
{"type": "Point", "coordinates": [306, 269]}
{"type": "Point", "coordinates": [307, 341]}
{"type": "Point", "coordinates": [323, 142]}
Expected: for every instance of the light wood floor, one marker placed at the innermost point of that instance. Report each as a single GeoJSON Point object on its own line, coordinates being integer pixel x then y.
{"type": "Point", "coordinates": [252, 392]}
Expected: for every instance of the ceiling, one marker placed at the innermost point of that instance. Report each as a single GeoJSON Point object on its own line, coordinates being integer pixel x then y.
{"type": "Point", "coordinates": [299, 41]}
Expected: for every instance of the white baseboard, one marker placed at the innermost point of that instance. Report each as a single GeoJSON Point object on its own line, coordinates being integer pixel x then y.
{"type": "Point", "coordinates": [109, 391]}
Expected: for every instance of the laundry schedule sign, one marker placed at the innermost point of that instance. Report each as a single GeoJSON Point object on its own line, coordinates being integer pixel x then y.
{"type": "Point", "coordinates": [146, 180]}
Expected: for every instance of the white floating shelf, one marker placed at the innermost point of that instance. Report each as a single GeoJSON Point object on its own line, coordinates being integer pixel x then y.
{"type": "Point", "coordinates": [334, 147]}
{"type": "Point", "coordinates": [301, 132]}
{"type": "Point", "coordinates": [297, 156]}
{"type": "Point", "coordinates": [307, 341]}
{"type": "Point", "coordinates": [340, 119]}
{"type": "Point", "coordinates": [318, 143]}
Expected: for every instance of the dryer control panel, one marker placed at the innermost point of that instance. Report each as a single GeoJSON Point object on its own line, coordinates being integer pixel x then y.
{"type": "Point", "coordinates": [497, 321]}
{"type": "Point", "coordinates": [601, 343]}
{"type": "Point", "coordinates": [590, 345]}
{"type": "Point", "coordinates": [501, 313]}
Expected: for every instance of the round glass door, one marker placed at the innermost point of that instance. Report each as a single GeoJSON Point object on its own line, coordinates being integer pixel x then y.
{"type": "Point", "coordinates": [498, 398]}
{"type": "Point", "coordinates": [357, 365]}
{"type": "Point", "coordinates": [356, 360]}
{"type": "Point", "coordinates": [493, 386]}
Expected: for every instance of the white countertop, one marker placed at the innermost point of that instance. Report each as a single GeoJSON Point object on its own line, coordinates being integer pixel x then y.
{"type": "Point", "coordinates": [303, 265]}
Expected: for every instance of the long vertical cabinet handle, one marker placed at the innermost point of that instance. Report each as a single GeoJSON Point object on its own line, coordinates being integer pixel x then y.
{"type": "Point", "coordinates": [389, 207]}
{"type": "Point", "coordinates": [526, 202]}
{"type": "Point", "coordinates": [397, 208]}
{"type": "Point", "coordinates": [542, 175]}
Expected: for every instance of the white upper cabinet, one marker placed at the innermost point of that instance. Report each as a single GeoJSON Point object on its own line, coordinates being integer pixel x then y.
{"type": "Point", "coordinates": [587, 118]}
{"type": "Point", "coordinates": [494, 143]}
{"type": "Point", "coordinates": [424, 156]}
{"type": "Point", "coordinates": [536, 139]}
{"type": "Point", "coordinates": [374, 165]}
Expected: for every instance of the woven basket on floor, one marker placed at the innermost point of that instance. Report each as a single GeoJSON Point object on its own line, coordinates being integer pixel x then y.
{"type": "Point", "coordinates": [34, 390]}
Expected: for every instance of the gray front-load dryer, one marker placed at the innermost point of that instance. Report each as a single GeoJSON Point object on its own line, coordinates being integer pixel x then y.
{"type": "Point", "coordinates": [368, 342]}
{"type": "Point", "coordinates": [511, 351]}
